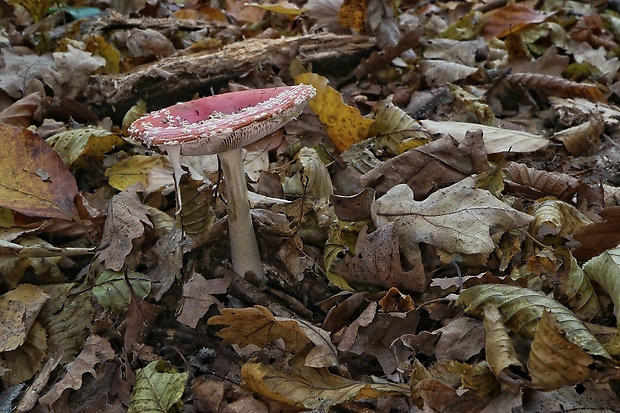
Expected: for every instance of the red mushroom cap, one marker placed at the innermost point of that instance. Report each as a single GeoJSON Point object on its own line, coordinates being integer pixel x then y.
{"type": "Point", "coordinates": [222, 122]}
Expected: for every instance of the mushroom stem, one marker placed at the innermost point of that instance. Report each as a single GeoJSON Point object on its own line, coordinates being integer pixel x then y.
{"type": "Point", "coordinates": [243, 245]}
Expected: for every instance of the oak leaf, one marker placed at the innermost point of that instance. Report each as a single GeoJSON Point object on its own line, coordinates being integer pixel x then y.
{"type": "Point", "coordinates": [458, 218]}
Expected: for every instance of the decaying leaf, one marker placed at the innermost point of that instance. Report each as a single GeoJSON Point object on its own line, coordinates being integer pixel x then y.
{"type": "Point", "coordinates": [555, 361]}
{"type": "Point", "coordinates": [34, 180]}
{"type": "Point", "coordinates": [536, 184]}
{"type": "Point", "coordinates": [258, 326]}
{"type": "Point", "coordinates": [344, 124]}
{"type": "Point", "coordinates": [431, 166]}
{"type": "Point", "coordinates": [73, 69]}
{"type": "Point", "coordinates": [581, 139]}
{"type": "Point", "coordinates": [376, 261]}
{"type": "Point", "coordinates": [510, 19]}
{"type": "Point", "coordinates": [556, 220]}
{"type": "Point", "coordinates": [312, 388]}
{"type": "Point", "coordinates": [21, 112]}
{"type": "Point", "coordinates": [557, 86]}
{"type": "Point", "coordinates": [198, 297]}
{"type": "Point", "coordinates": [521, 310]}
{"type": "Point", "coordinates": [27, 359]}
{"type": "Point", "coordinates": [158, 388]}
{"type": "Point", "coordinates": [598, 236]}
{"type": "Point", "coordinates": [96, 350]}
{"type": "Point", "coordinates": [127, 218]}
{"type": "Point", "coordinates": [457, 219]}
{"type": "Point", "coordinates": [19, 308]}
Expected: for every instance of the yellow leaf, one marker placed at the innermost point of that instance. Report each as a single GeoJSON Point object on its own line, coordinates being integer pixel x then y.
{"type": "Point", "coordinates": [127, 172]}
{"type": "Point", "coordinates": [353, 14]}
{"type": "Point", "coordinates": [312, 388]}
{"type": "Point", "coordinates": [344, 124]}
{"type": "Point", "coordinates": [73, 144]}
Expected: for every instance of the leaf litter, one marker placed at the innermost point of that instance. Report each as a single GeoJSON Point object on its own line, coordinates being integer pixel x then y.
{"type": "Point", "coordinates": [439, 227]}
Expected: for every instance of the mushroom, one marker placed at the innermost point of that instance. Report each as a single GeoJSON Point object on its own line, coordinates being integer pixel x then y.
{"type": "Point", "coordinates": [222, 125]}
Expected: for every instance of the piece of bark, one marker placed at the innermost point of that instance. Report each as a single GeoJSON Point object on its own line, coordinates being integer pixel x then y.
{"type": "Point", "coordinates": [179, 78]}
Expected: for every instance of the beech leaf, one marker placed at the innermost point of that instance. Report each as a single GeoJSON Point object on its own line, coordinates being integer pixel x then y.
{"type": "Point", "coordinates": [458, 218]}
{"type": "Point", "coordinates": [312, 388]}
{"type": "Point", "coordinates": [158, 388]}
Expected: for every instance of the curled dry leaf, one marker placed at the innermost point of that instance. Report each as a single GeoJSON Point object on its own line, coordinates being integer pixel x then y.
{"type": "Point", "coordinates": [534, 183]}
{"type": "Point", "coordinates": [457, 219]}
{"type": "Point", "coordinates": [557, 86]}
{"type": "Point", "coordinates": [500, 352]}
{"type": "Point", "coordinates": [556, 220]}
{"type": "Point", "coordinates": [521, 310]}
{"type": "Point", "coordinates": [395, 130]}
{"type": "Point", "coordinates": [439, 73]}
{"type": "Point", "coordinates": [25, 361]}
{"type": "Point", "coordinates": [198, 297]}
{"type": "Point", "coordinates": [581, 139]}
{"type": "Point", "coordinates": [510, 19]}
{"type": "Point", "coordinates": [97, 350]}
{"type": "Point", "coordinates": [555, 361]}
{"type": "Point", "coordinates": [604, 269]}
{"type": "Point", "coordinates": [20, 113]}
{"type": "Point", "coordinates": [312, 388]}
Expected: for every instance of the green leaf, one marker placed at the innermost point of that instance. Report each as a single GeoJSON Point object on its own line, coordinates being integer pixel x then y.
{"type": "Point", "coordinates": [113, 289]}
{"type": "Point", "coordinates": [158, 388]}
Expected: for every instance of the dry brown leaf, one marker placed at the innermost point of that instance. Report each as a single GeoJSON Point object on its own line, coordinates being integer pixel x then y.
{"type": "Point", "coordinates": [72, 72]}
{"type": "Point", "coordinates": [126, 221]}
{"type": "Point", "coordinates": [439, 72]}
{"type": "Point", "coordinates": [556, 362]}
{"type": "Point", "coordinates": [431, 166]}
{"type": "Point", "coordinates": [198, 297]}
{"type": "Point", "coordinates": [598, 236]}
{"type": "Point", "coordinates": [581, 139]}
{"type": "Point", "coordinates": [21, 112]}
{"type": "Point", "coordinates": [376, 261]}
{"type": "Point", "coordinates": [19, 308]}
{"type": "Point", "coordinates": [501, 355]}
{"type": "Point", "coordinates": [555, 221]}
{"type": "Point", "coordinates": [461, 339]}
{"type": "Point", "coordinates": [510, 19]}
{"type": "Point", "coordinates": [457, 219]}
{"type": "Point", "coordinates": [352, 14]}
{"type": "Point", "coordinates": [27, 359]}
{"type": "Point", "coordinates": [534, 183]}
{"type": "Point", "coordinates": [21, 74]}
{"type": "Point", "coordinates": [96, 350]}
{"type": "Point", "coordinates": [557, 86]}
{"type": "Point", "coordinates": [312, 388]}
{"type": "Point", "coordinates": [259, 327]}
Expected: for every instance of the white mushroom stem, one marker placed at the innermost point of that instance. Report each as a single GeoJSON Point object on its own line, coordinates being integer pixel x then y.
{"type": "Point", "coordinates": [243, 245]}
{"type": "Point", "coordinates": [174, 154]}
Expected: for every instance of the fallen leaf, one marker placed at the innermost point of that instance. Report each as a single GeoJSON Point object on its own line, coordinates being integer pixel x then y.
{"type": "Point", "coordinates": [72, 72]}
{"type": "Point", "coordinates": [521, 310]}
{"type": "Point", "coordinates": [158, 388]}
{"type": "Point", "coordinates": [75, 143]}
{"type": "Point", "coordinates": [496, 140]}
{"type": "Point", "coordinates": [34, 180]}
{"type": "Point", "coordinates": [311, 388]}
{"type": "Point", "coordinates": [114, 289]}
{"type": "Point", "coordinates": [458, 219]}
{"type": "Point", "coordinates": [198, 297]}
{"type": "Point", "coordinates": [344, 124]}
{"type": "Point", "coordinates": [376, 261]}
{"type": "Point", "coordinates": [598, 236]}
{"type": "Point", "coordinates": [461, 339]}
{"type": "Point", "coordinates": [510, 19]}
{"type": "Point", "coordinates": [127, 218]}
{"type": "Point", "coordinates": [128, 171]}
{"type": "Point", "coordinates": [19, 308]}
{"type": "Point", "coordinates": [96, 350]}
{"type": "Point", "coordinates": [431, 166]}
{"type": "Point", "coordinates": [352, 14]}
{"type": "Point", "coordinates": [20, 73]}
{"type": "Point", "coordinates": [20, 113]}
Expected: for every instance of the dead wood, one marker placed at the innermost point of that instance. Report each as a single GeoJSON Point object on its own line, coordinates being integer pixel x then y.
{"type": "Point", "coordinates": [178, 78]}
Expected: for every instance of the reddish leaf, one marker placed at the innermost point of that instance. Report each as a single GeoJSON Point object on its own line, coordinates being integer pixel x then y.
{"type": "Point", "coordinates": [34, 180]}
{"type": "Point", "coordinates": [510, 19]}
{"type": "Point", "coordinates": [599, 237]}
